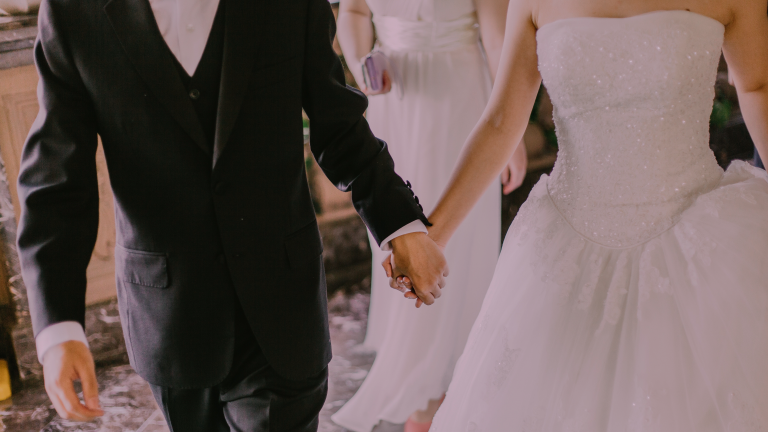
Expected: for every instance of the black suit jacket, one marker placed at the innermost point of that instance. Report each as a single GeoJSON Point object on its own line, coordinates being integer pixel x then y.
{"type": "Point", "coordinates": [197, 230]}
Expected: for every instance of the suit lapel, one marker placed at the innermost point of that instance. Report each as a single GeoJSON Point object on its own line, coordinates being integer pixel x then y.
{"type": "Point", "coordinates": [240, 44]}
{"type": "Point", "coordinates": [135, 27]}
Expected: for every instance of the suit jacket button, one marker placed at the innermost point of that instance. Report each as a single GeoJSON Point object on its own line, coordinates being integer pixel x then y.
{"type": "Point", "coordinates": [194, 94]}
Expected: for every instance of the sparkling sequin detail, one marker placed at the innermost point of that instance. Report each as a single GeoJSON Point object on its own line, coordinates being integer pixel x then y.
{"type": "Point", "coordinates": [617, 293]}
{"type": "Point", "coordinates": [696, 246]}
{"type": "Point", "coordinates": [651, 279]}
{"type": "Point", "coordinates": [643, 417]}
{"type": "Point", "coordinates": [504, 365]}
{"type": "Point", "coordinates": [588, 288]}
{"type": "Point", "coordinates": [745, 417]}
{"type": "Point", "coordinates": [632, 114]}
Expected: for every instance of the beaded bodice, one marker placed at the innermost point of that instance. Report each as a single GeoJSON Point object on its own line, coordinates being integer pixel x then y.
{"type": "Point", "coordinates": [632, 99]}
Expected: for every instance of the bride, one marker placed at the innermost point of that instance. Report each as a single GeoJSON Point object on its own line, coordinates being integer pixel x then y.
{"type": "Point", "coordinates": [631, 293]}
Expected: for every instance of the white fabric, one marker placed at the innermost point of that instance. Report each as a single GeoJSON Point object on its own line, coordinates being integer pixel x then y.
{"type": "Point", "coordinates": [633, 294]}
{"type": "Point", "coordinates": [185, 26]}
{"type": "Point", "coordinates": [444, 96]}
{"type": "Point", "coordinates": [416, 226]}
{"type": "Point", "coordinates": [426, 36]}
{"type": "Point", "coordinates": [56, 334]}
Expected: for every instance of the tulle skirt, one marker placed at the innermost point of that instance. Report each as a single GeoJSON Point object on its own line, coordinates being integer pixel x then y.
{"type": "Point", "coordinates": [667, 336]}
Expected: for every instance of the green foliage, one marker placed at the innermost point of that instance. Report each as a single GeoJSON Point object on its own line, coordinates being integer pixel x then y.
{"type": "Point", "coordinates": [721, 113]}
{"type": "Point", "coordinates": [549, 134]}
{"type": "Point", "coordinates": [536, 104]}
{"type": "Point", "coordinates": [551, 137]}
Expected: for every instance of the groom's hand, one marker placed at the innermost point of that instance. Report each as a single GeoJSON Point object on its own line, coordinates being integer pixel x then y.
{"type": "Point", "coordinates": [62, 365]}
{"type": "Point", "coordinates": [419, 258]}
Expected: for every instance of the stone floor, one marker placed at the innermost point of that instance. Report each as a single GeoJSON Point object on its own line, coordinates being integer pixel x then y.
{"type": "Point", "coordinates": [129, 405]}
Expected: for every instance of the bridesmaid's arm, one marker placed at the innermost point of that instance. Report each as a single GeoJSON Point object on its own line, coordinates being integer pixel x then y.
{"type": "Point", "coordinates": [492, 16]}
{"type": "Point", "coordinates": [746, 51]}
{"type": "Point", "coordinates": [501, 127]}
{"type": "Point", "coordinates": [355, 33]}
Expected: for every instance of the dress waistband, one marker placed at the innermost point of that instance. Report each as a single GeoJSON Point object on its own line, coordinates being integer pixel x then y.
{"type": "Point", "coordinates": [409, 36]}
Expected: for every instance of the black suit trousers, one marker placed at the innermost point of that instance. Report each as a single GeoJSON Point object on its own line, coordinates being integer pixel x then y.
{"type": "Point", "coordinates": [252, 398]}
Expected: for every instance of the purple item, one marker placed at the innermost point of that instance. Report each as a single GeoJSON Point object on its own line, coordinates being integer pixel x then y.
{"type": "Point", "coordinates": [374, 65]}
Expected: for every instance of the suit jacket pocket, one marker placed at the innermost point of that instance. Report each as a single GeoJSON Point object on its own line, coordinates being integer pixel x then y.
{"type": "Point", "coordinates": [149, 269]}
{"type": "Point", "coordinates": [303, 245]}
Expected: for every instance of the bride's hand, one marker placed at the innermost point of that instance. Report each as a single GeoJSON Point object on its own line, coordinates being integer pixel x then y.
{"type": "Point", "coordinates": [404, 282]}
{"type": "Point", "coordinates": [514, 173]}
{"type": "Point", "coordinates": [385, 88]}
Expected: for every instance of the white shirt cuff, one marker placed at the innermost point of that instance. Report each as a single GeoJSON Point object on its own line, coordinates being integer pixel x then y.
{"type": "Point", "coordinates": [413, 227]}
{"type": "Point", "coordinates": [56, 334]}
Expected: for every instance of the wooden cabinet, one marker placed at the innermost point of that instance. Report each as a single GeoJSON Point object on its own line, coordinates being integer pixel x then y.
{"type": "Point", "coordinates": [18, 109]}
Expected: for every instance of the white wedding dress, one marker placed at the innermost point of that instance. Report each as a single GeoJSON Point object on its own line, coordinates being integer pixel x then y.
{"type": "Point", "coordinates": [631, 294]}
{"type": "Point", "coordinates": [434, 47]}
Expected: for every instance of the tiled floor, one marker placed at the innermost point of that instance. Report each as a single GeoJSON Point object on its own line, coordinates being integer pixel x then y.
{"type": "Point", "coordinates": [129, 405]}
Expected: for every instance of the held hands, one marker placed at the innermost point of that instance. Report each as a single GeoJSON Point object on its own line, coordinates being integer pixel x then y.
{"type": "Point", "coordinates": [62, 365]}
{"type": "Point", "coordinates": [417, 268]}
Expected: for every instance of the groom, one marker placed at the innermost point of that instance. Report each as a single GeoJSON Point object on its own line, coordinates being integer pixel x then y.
{"type": "Point", "coordinates": [218, 260]}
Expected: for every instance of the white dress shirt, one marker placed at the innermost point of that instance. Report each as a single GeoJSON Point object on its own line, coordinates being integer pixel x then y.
{"type": "Point", "coordinates": [185, 26]}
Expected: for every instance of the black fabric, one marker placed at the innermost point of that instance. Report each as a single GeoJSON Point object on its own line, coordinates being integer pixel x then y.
{"type": "Point", "coordinates": [203, 86]}
{"type": "Point", "coordinates": [252, 398]}
{"type": "Point", "coordinates": [199, 230]}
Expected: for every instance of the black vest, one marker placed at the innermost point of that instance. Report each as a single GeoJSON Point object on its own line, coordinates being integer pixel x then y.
{"type": "Point", "coordinates": [203, 86]}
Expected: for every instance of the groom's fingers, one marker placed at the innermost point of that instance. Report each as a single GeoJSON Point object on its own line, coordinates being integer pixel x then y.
{"type": "Point", "coordinates": [90, 387]}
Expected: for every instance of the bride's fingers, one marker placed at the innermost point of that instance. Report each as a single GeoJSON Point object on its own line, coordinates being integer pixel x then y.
{"type": "Point", "coordinates": [419, 303]}
{"type": "Point", "coordinates": [387, 264]}
{"type": "Point", "coordinates": [405, 282]}
{"type": "Point", "coordinates": [393, 284]}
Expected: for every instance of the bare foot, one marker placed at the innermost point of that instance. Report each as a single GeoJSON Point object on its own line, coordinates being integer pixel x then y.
{"type": "Point", "coordinates": [427, 415]}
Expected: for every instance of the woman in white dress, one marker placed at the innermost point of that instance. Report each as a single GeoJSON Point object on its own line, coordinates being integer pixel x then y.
{"type": "Point", "coordinates": [443, 83]}
{"type": "Point", "coordinates": [631, 293]}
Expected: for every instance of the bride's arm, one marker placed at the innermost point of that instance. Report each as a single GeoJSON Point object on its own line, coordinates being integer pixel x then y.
{"type": "Point", "coordinates": [746, 51]}
{"type": "Point", "coordinates": [501, 127]}
{"type": "Point", "coordinates": [492, 16]}
{"type": "Point", "coordinates": [355, 33]}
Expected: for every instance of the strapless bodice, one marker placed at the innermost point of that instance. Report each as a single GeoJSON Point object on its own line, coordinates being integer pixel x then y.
{"type": "Point", "coordinates": [632, 99]}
